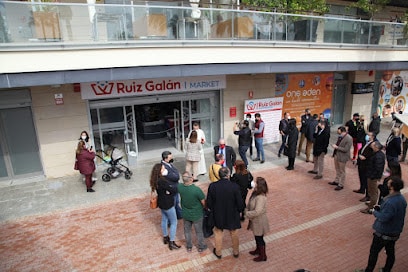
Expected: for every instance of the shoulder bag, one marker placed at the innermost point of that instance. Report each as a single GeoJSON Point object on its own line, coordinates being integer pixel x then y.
{"type": "Point", "coordinates": [153, 200]}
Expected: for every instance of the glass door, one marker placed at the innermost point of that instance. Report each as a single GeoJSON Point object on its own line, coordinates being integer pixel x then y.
{"type": "Point", "coordinates": [339, 96]}
{"type": "Point", "coordinates": [205, 112]}
{"type": "Point", "coordinates": [19, 152]}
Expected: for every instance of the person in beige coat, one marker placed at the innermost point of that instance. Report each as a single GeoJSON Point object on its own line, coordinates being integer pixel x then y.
{"type": "Point", "coordinates": [341, 155]}
{"type": "Point", "coordinates": [258, 220]}
{"type": "Point", "coordinates": [193, 154]}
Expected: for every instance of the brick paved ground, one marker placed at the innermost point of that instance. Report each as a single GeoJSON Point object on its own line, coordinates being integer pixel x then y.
{"type": "Point", "coordinates": [312, 226]}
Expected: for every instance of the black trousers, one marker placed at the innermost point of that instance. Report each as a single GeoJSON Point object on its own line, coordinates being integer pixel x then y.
{"type": "Point", "coordinates": [259, 240]}
{"type": "Point", "coordinates": [376, 246]}
{"type": "Point", "coordinates": [363, 179]}
{"type": "Point", "coordinates": [291, 162]}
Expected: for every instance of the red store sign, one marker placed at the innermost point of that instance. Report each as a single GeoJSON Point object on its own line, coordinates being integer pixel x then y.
{"type": "Point", "coordinates": [114, 89]}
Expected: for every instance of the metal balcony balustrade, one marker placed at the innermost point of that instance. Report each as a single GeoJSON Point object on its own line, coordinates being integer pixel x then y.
{"type": "Point", "coordinates": [28, 25]}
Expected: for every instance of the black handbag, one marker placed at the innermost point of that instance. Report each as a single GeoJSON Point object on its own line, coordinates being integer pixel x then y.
{"type": "Point", "coordinates": [208, 223]}
{"type": "Point", "coordinates": [285, 150]}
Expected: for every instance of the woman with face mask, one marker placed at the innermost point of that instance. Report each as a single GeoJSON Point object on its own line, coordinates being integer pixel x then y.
{"type": "Point", "coordinates": [85, 138]}
{"type": "Point", "coordinates": [258, 220]}
{"type": "Point", "coordinates": [165, 200]}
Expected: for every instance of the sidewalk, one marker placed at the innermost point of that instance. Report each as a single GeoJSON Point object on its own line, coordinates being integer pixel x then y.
{"type": "Point", "coordinates": [56, 226]}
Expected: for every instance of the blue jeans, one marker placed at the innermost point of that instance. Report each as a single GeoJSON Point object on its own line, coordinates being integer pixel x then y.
{"type": "Point", "coordinates": [283, 144]}
{"type": "Point", "coordinates": [169, 216]}
{"type": "Point", "coordinates": [259, 149]}
{"type": "Point", "coordinates": [179, 211]}
{"type": "Point", "coordinates": [198, 227]}
{"type": "Point", "coordinates": [242, 149]}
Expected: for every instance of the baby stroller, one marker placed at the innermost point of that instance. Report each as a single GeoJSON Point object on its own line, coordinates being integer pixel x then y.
{"type": "Point", "coordinates": [116, 168]}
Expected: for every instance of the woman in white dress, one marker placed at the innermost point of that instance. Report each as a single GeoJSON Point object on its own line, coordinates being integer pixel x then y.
{"type": "Point", "coordinates": [202, 168]}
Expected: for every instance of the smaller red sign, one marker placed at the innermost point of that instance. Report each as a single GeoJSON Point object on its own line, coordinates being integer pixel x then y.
{"type": "Point", "coordinates": [233, 112]}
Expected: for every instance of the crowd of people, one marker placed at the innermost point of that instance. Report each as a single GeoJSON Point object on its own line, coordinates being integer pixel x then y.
{"type": "Point", "coordinates": [225, 199]}
{"type": "Point", "coordinates": [358, 142]}
{"type": "Point", "coordinates": [231, 180]}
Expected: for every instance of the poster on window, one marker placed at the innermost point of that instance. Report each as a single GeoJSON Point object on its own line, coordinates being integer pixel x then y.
{"type": "Point", "coordinates": [270, 110]}
{"type": "Point", "coordinates": [305, 91]}
{"type": "Point", "coordinates": [393, 93]}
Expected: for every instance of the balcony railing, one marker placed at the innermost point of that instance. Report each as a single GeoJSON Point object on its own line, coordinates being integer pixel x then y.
{"type": "Point", "coordinates": [28, 24]}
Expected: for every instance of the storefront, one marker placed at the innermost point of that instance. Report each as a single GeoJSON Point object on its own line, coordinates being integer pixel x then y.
{"type": "Point", "coordinates": [19, 152]}
{"type": "Point", "coordinates": [145, 117]}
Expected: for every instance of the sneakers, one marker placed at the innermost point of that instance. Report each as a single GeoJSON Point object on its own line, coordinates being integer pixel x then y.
{"type": "Point", "coordinates": [256, 159]}
{"type": "Point", "coordinates": [338, 188]}
{"type": "Point", "coordinates": [358, 191]}
{"type": "Point", "coordinates": [318, 177]}
{"type": "Point", "coordinates": [312, 172]}
{"type": "Point", "coordinates": [333, 183]}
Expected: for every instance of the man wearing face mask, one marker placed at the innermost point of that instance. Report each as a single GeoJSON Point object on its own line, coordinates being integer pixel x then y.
{"type": "Point", "coordinates": [244, 139]}
{"type": "Point", "coordinates": [375, 168]}
{"type": "Point", "coordinates": [228, 153]}
{"type": "Point", "coordinates": [259, 135]}
{"type": "Point", "coordinates": [172, 175]}
{"type": "Point", "coordinates": [322, 138]}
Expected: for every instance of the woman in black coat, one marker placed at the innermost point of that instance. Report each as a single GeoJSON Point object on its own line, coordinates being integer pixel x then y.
{"type": "Point", "coordinates": [291, 143]}
{"type": "Point", "coordinates": [165, 200]}
{"type": "Point", "coordinates": [243, 178]}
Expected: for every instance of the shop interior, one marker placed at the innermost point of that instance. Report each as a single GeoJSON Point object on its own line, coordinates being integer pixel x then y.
{"type": "Point", "coordinates": [148, 129]}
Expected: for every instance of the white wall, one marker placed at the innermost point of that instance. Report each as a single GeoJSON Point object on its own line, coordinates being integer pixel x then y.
{"type": "Point", "coordinates": [58, 127]}
{"type": "Point", "coordinates": [238, 86]}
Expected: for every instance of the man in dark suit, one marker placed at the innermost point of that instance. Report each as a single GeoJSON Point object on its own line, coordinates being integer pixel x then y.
{"type": "Point", "coordinates": [225, 201]}
{"type": "Point", "coordinates": [227, 151]}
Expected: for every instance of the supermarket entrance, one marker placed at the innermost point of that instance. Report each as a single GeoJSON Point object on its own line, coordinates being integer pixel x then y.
{"type": "Point", "coordinates": [146, 126]}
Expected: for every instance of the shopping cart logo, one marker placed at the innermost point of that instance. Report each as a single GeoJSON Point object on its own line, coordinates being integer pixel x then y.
{"type": "Point", "coordinates": [102, 87]}
{"type": "Point", "coordinates": [251, 106]}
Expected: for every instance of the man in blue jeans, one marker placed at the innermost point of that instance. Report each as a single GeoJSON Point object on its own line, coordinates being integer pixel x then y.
{"type": "Point", "coordinates": [259, 135]}
{"type": "Point", "coordinates": [173, 177]}
{"type": "Point", "coordinates": [388, 225]}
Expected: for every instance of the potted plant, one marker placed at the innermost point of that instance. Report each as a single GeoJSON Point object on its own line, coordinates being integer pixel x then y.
{"type": "Point", "coordinates": [404, 40]}
{"type": "Point", "coordinates": [46, 21]}
{"type": "Point", "coordinates": [371, 33]}
{"type": "Point", "coordinates": [302, 29]}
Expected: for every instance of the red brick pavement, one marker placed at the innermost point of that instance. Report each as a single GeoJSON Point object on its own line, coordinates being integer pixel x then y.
{"type": "Point", "coordinates": [312, 226]}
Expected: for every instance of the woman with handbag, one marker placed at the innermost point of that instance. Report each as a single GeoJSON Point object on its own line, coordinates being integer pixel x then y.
{"type": "Point", "coordinates": [243, 178]}
{"type": "Point", "coordinates": [165, 200]}
{"type": "Point", "coordinates": [258, 220]}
